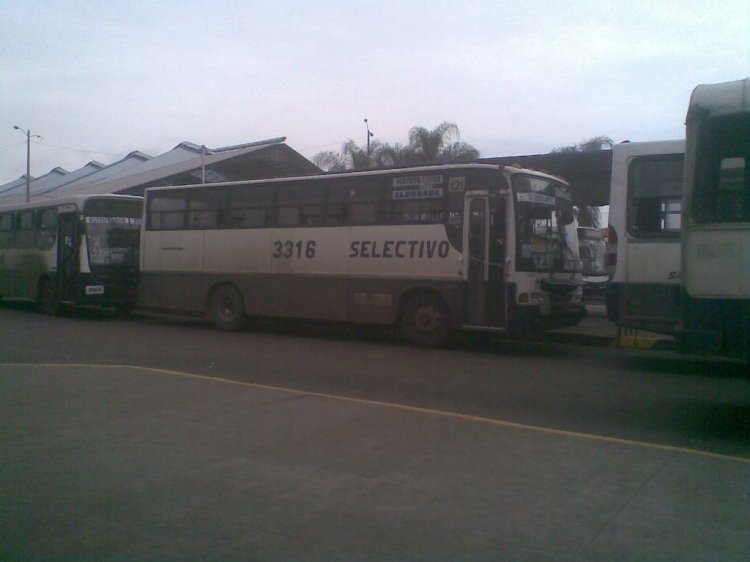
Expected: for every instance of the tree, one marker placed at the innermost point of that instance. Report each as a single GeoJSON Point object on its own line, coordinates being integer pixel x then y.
{"type": "Point", "coordinates": [440, 144]}
{"type": "Point", "coordinates": [351, 157]}
{"type": "Point", "coordinates": [594, 144]}
{"type": "Point", "coordinates": [588, 215]}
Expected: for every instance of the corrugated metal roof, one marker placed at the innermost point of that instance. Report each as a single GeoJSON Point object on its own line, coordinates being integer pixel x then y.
{"type": "Point", "coordinates": [40, 189]}
{"type": "Point", "coordinates": [38, 185]}
{"type": "Point", "coordinates": [181, 165]}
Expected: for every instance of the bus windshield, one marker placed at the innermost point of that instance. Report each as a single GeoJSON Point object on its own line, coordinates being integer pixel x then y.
{"type": "Point", "coordinates": [545, 231]}
{"type": "Point", "coordinates": [112, 234]}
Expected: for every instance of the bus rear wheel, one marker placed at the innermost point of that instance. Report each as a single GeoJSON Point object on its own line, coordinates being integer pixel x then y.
{"type": "Point", "coordinates": [226, 309]}
{"type": "Point", "coordinates": [425, 321]}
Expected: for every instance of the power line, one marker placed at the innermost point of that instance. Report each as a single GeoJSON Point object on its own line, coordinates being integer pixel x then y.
{"type": "Point", "coordinates": [8, 147]}
{"type": "Point", "coordinates": [80, 150]}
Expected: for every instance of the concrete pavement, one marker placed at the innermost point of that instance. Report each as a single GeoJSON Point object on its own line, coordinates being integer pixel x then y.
{"type": "Point", "coordinates": [597, 329]}
{"type": "Point", "coordinates": [124, 463]}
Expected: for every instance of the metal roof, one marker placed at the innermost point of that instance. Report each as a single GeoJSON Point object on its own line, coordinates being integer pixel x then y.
{"type": "Point", "coordinates": [181, 165]}
{"type": "Point", "coordinates": [588, 173]}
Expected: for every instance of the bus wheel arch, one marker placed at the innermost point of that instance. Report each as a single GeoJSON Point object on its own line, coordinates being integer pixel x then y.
{"type": "Point", "coordinates": [226, 307]}
{"type": "Point", "coordinates": [425, 318]}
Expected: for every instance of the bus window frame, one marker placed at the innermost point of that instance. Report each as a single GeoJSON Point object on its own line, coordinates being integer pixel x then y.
{"type": "Point", "coordinates": [663, 202]}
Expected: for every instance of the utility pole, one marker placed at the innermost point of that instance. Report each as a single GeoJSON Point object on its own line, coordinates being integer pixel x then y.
{"type": "Point", "coordinates": [28, 159]}
{"type": "Point", "coordinates": [369, 134]}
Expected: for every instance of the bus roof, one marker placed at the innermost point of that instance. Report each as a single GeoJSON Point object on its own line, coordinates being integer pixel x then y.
{"type": "Point", "coordinates": [77, 200]}
{"type": "Point", "coordinates": [377, 172]}
{"type": "Point", "coordinates": [715, 100]}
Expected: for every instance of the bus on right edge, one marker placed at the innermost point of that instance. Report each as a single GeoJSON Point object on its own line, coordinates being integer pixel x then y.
{"type": "Point", "coordinates": [716, 222]}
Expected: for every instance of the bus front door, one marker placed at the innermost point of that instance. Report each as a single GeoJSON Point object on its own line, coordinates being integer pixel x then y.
{"type": "Point", "coordinates": [484, 251]}
{"type": "Point", "coordinates": [67, 256]}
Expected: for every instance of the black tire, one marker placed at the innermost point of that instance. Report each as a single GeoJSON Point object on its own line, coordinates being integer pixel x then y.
{"type": "Point", "coordinates": [47, 301]}
{"type": "Point", "coordinates": [425, 321]}
{"type": "Point", "coordinates": [226, 309]}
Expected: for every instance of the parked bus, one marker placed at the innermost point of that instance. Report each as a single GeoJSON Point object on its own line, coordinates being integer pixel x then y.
{"type": "Point", "coordinates": [593, 249]}
{"type": "Point", "coordinates": [72, 251]}
{"type": "Point", "coordinates": [434, 248]}
{"type": "Point", "coordinates": [716, 225]}
{"type": "Point", "coordinates": [644, 235]}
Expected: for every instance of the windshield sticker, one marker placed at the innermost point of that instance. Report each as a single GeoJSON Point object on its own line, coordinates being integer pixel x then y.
{"type": "Point", "coordinates": [526, 197]}
{"type": "Point", "coordinates": [424, 193]}
{"type": "Point", "coordinates": [418, 181]}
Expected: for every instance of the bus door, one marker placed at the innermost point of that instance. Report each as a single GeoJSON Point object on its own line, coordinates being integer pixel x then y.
{"type": "Point", "coordinates": [484, 251]}
{"type": "Point", "coordinates": [67, 255]}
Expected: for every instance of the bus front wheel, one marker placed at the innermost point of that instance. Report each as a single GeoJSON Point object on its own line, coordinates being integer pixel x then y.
{"type": "Point", "coordinates": [426, 321]}
{"type": "Point", "coordinates": [226, 309]}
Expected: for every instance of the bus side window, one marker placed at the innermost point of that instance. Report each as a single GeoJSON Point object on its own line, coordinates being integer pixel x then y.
{"type": "Point", "coordinates": [251, 206]}
{"type": "Point", "coordinates": [167, 211]}
{"type": "Point", "coordinates": [6, 230]}
{"type": "Point", "coordinates": [722, 174]}
{"type": "Point", "coordinates": [654, 195]}
{"type": "Point", "coordinates": [25, 230]}
{"type": "Point", "coordinates": [301, 204]}
{"type": "Point", "coordinates": [46, 234]}
{"type": "Point", "coordinates": [732, 193]}
{"type": "Point", "coordinates": [335, 209]}
{"type": "Point", "coordinates": [363, 201]}
{"type": "Point", "coordinates": [207, 208]}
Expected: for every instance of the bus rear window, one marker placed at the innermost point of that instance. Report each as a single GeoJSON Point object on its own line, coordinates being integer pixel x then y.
{"type": "Point", "coordinates": [722, 175]}
{"type": "Point", "coordinates": [655, 195]}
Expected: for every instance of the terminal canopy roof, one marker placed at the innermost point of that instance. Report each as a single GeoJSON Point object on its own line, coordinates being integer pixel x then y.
{"type": "Point", "coordinates": [588, 173]}
{"type": "Point", "coordinates": [184, 164]}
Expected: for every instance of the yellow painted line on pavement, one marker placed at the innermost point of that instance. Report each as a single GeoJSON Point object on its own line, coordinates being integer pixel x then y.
{"type": "Point", "coordinates": [636, 342]}
{"type": "Point", "coordinates": [404, 407]}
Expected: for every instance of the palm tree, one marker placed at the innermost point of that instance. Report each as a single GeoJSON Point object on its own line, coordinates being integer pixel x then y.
{"type": "Point", "coordinates": [440, 144]}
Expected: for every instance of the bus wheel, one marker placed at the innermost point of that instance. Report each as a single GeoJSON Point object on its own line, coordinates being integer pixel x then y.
{"type": "Point", "coordinates": [47, 301]}
{"type": "Point", "coordinates": [426, 321]}
{"type": "Point", "coordinates": [226, 310]}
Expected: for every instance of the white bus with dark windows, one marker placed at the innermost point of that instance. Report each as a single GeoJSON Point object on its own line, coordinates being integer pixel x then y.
{"type": "Point", "coordinates": [644, 252]}
{"type": "Point", "coordinates": [433, 249]}
{"type": "Point", "coordinates": [72, 251]}
{"type": "Point", "coordinates": [716, 223]}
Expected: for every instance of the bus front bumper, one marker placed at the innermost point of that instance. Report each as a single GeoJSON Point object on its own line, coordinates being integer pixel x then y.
{"type": "Point", "coordinates": [107, 292]}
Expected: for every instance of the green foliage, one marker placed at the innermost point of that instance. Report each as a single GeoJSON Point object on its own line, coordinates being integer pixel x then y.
{"type": "Point", "coordinates": [440, 144]}
{"type": "Point", "coordinates": [594, 144]}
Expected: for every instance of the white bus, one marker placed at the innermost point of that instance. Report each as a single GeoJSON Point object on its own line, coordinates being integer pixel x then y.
{"type": "Point", "coordinates": [644, 235]}
{"type": "Point", "coordinates": [72, 251]}
{"type": "Point", "coordinates": [716, 225]}
{"type": "Point", "coordinates": [432, 248]}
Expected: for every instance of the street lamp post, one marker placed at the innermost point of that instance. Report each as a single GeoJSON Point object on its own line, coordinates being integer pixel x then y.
{"type": "Point", "coordinates": [369, 134]}
{"type": "Point", "coordinates": [28, 159]}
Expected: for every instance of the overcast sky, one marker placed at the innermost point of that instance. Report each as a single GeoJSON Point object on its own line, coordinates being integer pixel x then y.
{"type": "Point", "coordinates": [99, 79]}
